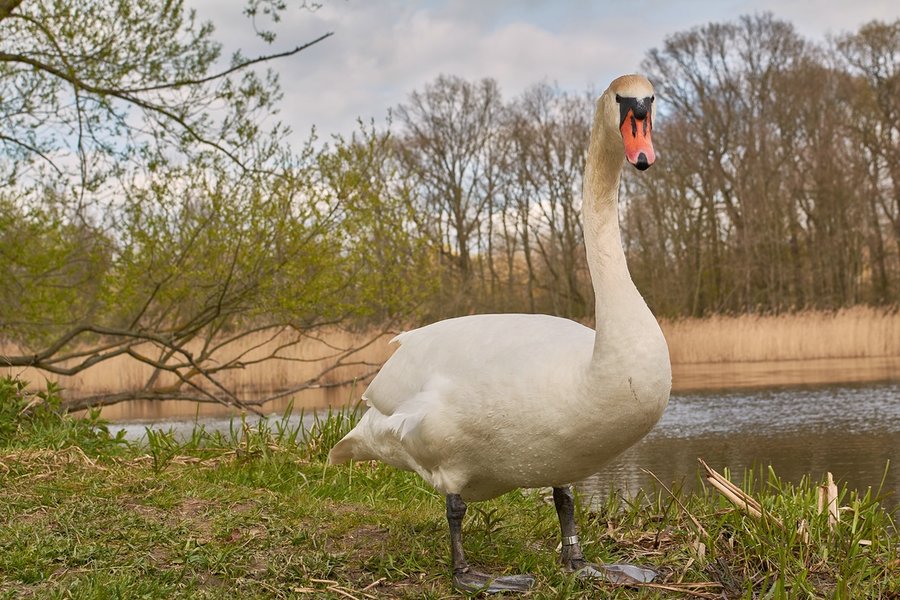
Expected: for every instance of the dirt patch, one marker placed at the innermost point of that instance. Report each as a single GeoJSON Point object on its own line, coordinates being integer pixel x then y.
{"type": "Point", "coordinates": [160, 557]}
{"type": "Point", "coordinates": [367, 535]}
{"type": "Point", "coordinates": [31, 518]}
{"type": "Point", "coordinates": [192, 507]}
{"type": "Point", "coordinates": [192, 513]}
{"type": "Point", "coordinates": [150, 513]}
{"type": "Point", "coordinates": [244, 534]}
{"type": "Point", "coordinates": [244, 507]}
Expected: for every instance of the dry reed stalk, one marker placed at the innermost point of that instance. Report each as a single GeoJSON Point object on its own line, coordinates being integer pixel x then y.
{"type": "Point", "coordinates": [693, 519]}
{"type": "Point", "coordinates": [803, 531]}
{"type": "Point", "coordinates": [827, 497]}
{"type": "Point", "coordinates": [735, 495]}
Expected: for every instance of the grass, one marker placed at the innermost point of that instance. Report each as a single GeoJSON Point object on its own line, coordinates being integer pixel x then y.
{"type": "Point", "coordinates": [256, 513]}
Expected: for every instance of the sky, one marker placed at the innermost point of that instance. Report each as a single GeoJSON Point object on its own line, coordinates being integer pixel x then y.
{"type": "Point", "coordinates": [382, 50]}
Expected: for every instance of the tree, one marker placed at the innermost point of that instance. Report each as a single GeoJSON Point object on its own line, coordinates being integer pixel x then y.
{"type": "Point", "coordinates": [551, 136]}
{"type": "Point", "coordinates": [872, 57]}
{"type": "Point", "coordinates": [146, 210]}
{"type": "Point", "coordinates": [453, 156]}
{"type": "Point", "coordinates": [393, 271]}
{"type": "Point", "coordinates": [758, 203]}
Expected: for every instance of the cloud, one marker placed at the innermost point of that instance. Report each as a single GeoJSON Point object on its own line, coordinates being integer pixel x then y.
{"type": "Point", "coordinates": [381, 51]}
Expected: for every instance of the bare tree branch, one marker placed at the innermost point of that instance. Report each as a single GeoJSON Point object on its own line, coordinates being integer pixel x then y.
{"type": "Point", "coordinates": [32, 149]}
{"type": "Point", "coordinates": [238, 67]}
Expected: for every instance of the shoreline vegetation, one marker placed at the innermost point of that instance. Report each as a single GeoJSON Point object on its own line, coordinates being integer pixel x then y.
{"type": "Point", "coordinates": [258, 513]}
{"type": "Point", "coordinates": [855, 345]}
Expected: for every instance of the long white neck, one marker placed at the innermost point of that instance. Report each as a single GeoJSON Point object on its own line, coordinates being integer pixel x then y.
{"type": "Point", "coordinates": [626, 385]}
{"type": "Point", "coordinates": [625, 326]}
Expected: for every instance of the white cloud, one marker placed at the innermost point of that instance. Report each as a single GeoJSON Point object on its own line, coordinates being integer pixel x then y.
{"type": "Point", "coordinates": [383, 50]}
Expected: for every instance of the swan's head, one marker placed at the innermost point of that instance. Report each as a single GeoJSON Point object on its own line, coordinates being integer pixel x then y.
{"type": "Point", "coordinates": [630, 99]}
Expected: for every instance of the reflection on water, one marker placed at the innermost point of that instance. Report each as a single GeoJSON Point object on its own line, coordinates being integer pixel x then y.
{"type": "Point", "coordinates": [852, 431]}
{"type": "Point", "coordinates": [767, 374]}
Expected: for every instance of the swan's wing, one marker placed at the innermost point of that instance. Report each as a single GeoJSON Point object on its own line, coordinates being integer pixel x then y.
{"type": "Point", "coordinates": [442, 376]}
{"type": "Point", "coordinates": [465, 356]}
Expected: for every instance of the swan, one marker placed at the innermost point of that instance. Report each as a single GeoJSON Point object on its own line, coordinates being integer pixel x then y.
{"type": "Point", "coordinates": [484, 404]}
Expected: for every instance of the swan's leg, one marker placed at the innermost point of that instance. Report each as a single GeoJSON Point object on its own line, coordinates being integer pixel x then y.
{"type": "Point", "coordinates": [464, 577]}
{"type": "Point", "coordinates": [571, 556]}
{"type": "Point", "coordinates": [456, 510]}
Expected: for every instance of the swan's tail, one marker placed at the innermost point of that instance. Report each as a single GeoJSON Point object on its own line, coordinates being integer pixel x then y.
{"type": "Point", "coordinates": [341, 452]}
{"type": "Point", "coordinates": [350, 447]}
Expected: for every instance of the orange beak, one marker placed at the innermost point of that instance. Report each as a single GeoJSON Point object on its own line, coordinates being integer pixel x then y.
{"type": "Point", "coordinates": [636, 135]}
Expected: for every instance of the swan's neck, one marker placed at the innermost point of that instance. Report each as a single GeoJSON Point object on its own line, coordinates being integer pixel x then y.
{"type": "Point", "coordinates": [626, 328]}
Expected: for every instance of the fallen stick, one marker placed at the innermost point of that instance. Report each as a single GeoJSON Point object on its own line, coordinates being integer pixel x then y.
{"type": "Point", "coordinates": [735, 495]}
{"type": "Point", "coordinates": [689, 589]}
{"type": "Point", "coordinates": [341, 591]}
{"type": "Point", "coordinates": [373, 584]}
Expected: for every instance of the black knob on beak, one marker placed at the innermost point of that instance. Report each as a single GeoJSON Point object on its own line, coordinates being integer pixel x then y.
{"type": "Point", "coordinates": [640, 109]}
{"type": "Point", "coordinates": [642, 163]}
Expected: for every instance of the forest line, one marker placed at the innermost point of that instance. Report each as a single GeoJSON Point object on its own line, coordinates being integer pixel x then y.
{"type": "Point", "coordinates": [777, 186]}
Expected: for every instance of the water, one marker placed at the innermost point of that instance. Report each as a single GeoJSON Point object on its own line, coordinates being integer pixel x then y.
{"type": "Point", "coordinates": [851, 430]}
{"type": "Point", "coordinates": [136, 431]}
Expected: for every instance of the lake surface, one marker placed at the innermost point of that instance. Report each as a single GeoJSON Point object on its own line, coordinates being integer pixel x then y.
{"type": "Point", "coordinates": [850, 430]}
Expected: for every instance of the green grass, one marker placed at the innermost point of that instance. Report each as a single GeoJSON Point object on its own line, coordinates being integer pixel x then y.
{"type": "Point", "coordinates": [256, 513]}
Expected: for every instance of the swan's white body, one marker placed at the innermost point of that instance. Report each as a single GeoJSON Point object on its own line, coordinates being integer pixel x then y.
{"type": "Point", "coordinates": [484, 404]}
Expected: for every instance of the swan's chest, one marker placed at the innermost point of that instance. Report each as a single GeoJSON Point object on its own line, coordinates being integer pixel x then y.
{"type": "Point", "coordinates": [559, 438]}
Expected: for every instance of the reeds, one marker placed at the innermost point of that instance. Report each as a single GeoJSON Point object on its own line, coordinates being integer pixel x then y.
{"type": "Point", "coordinates": [297, 365]}
{"type": "Point", "coordinates": [858, 332]}
{"type": "Point", "coordinates": [704, 353]}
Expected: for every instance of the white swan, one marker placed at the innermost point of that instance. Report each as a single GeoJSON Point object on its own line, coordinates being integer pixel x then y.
{"type": "Point", "coordinates": [481, 405]}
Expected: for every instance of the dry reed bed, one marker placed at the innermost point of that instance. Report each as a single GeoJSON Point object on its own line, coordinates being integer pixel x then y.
{"type": "Point", "coordinates": [860, 332]}
{"type": "Point", "coordinates": [296, 365]}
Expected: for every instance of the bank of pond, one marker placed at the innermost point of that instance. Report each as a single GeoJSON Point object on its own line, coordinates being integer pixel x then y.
{"type": "Point", "coordinates": [248, 507]}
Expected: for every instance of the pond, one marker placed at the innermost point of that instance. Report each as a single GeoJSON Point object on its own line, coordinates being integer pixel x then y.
{"type": "Point", "coordinates": [851, 430]}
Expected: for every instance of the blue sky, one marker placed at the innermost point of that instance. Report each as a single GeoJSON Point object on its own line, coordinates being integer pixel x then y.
{"type": "Point", "coordinates": [384, 49]}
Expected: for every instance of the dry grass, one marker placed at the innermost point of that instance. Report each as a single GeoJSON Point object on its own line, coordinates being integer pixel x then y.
{"type": "Point", "coordinates": [847, 345]}
{"type": "Point", "coordinates": [859, 332]}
